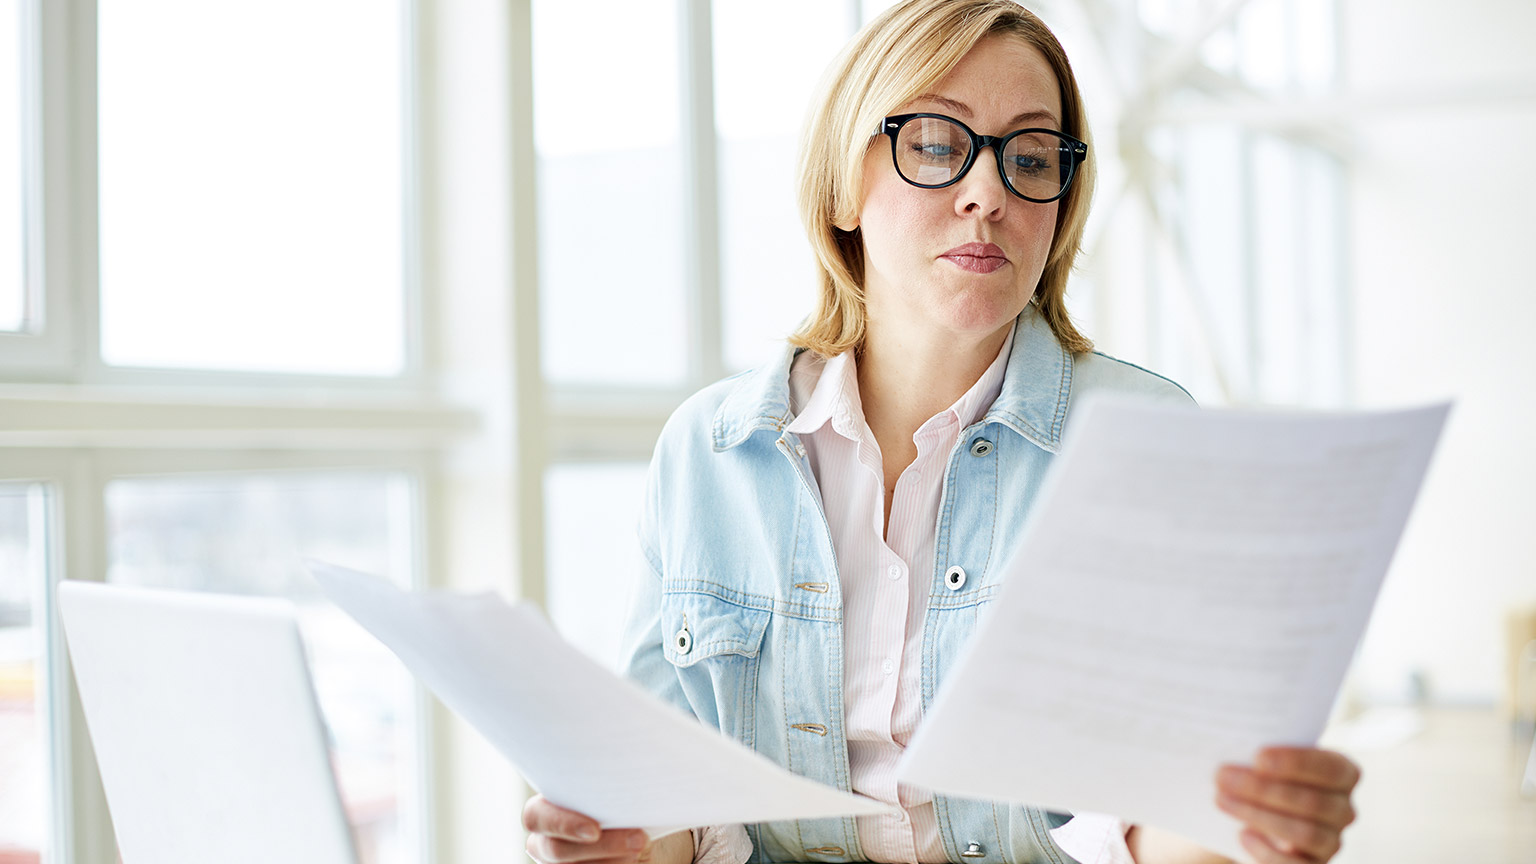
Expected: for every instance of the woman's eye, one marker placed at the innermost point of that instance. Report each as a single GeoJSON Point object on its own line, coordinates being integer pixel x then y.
{"type": "Point", "coordinates": [1030, 164]}
{"type": "Point", "coordinates": [934, 151]}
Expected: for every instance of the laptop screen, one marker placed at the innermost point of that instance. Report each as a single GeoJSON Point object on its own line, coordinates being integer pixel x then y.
{"type": "Point", "coordinates": [205, 727]}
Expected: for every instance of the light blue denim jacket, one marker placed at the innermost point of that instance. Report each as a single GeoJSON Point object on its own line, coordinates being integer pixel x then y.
{"type": "Point", "coordinates": [739, 619]}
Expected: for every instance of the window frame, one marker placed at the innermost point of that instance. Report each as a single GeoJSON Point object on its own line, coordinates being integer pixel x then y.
{"type": "Point", "coordinates": [76, 481]}
{"type": "Point", "coordinates": [45, 350]}
{"type": "Point", "coordinates": [62, 243]}
{"type": "Point", "coordinates": [74, 423]}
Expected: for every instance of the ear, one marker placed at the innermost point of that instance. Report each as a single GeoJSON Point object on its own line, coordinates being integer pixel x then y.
{"type": "Point", "coordinates": [849, 226]}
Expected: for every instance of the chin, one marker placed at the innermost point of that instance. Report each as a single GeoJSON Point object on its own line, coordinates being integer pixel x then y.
{"type": "Point", "coordinates": [983, 316]}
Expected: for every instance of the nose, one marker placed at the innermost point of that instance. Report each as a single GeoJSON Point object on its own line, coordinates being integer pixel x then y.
{"type": "Point", "coordinates": [981, 191]}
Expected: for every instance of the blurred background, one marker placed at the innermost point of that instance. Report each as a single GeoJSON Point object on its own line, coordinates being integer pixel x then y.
{"type": "Point", "coordinates": [411, 287]}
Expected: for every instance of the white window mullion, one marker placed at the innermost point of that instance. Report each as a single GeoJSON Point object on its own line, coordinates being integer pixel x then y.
{"type": "Point", "coordinates": [418, 310]}
{"type": "Point", "coordinates": [530, 400]}
{"type": "Point", "coordinates": [701, 208]}
{"type": "Point", "coordinates": [43, 513]}
{"type": "Point", "coordinates": [73, 231]}
{"type": "Point", "coordinates": [81, 554]}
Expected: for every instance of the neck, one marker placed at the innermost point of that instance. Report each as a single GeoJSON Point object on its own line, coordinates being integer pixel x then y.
{"type": "Point", "coordinates": [904, 379]}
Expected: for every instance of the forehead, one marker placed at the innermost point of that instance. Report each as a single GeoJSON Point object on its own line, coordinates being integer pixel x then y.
{"type": "Point", "coordinates": [1001, 79]}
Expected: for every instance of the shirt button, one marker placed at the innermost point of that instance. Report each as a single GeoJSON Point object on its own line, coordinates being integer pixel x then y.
{"type": "Point", "coordinates": [887, 666]}
{"type": "Point", "coordinates": [893, 571]}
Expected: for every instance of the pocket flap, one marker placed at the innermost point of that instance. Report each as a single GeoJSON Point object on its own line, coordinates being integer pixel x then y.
{"type": "Point", "coordinates": [713, 627]}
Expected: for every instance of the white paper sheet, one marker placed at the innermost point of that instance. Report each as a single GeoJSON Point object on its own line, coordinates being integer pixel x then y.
{"type": "Point", "coordinates": [587, 739]}
{"type": "Point", "coordinates": [1190, 587]}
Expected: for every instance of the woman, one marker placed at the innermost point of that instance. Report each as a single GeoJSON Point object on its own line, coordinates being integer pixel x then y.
{"type": "Point", "coordinates": [819, 531]}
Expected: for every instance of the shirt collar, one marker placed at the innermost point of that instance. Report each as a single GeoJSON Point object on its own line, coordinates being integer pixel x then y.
{"type": "Point", "coordinates": [969, 407]}
{"type": "Point", "coordinates": [1036, 387]}
{"type": "Point", "coordinates": [835, 397]}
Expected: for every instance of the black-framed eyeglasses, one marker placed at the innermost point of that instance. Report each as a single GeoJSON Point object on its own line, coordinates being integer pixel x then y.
{"type": "Point", "coordinates": [933, 151]}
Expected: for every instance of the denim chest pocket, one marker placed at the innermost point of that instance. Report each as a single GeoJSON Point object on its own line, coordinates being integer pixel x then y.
{"type": "Point", "coordinates": [716, 646]}
{"type": "Point", "coordinates": [698, 627]}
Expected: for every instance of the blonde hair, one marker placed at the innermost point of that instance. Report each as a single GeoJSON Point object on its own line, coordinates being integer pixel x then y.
{"type": "Point", "coordinates": [899, 56]}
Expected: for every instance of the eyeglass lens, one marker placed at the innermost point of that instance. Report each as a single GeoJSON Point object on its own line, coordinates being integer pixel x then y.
{"type": "Point", "coordinates": [932, 151]}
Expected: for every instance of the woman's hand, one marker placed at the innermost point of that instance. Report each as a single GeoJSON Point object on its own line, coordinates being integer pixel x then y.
{"type": "Point", "coordinates": [560, 836]}
{"type": "Point", "coordinates": [1294, 802]}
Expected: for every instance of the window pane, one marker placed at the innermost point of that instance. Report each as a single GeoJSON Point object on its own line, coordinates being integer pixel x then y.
{"type": "Point", "coordinates": [766, 263]}
{"type": "Point", "coordinates": [251, 212]}
{"type": "Point", "coordinates": [1214, 215]}
{"type": "Point", "coordinates": [870, 9]}
{"type": "Point", "coordinates": [608, 131]}
{"type": "Point", "coordinates": [248, 534]}
{"type": "Point", "coordinates": [1316, 48]}
{"type": "Point", "coordinates": [1266, 36]}
{"type": "Point", "coordinates": [593, 556]}
{"type": "Point", "coordinates": [24, 795]}
{"type": "Point", "coordinates": [13, 295]}
{"type": "Point", "coordinates": [1327, 343]}
{"type": "Point", "coordinates": [1281, 258]}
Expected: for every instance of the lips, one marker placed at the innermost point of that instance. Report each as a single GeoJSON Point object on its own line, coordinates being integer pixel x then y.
{"type": "Point", "coordinates": [976, 257]}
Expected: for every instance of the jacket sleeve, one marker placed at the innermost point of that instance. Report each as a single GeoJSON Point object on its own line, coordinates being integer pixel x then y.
{"type": "Point", "coordinates": [641, 658]}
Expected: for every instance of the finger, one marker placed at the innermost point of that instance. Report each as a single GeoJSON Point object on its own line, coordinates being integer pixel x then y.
{"type": "Point", "coordinates": [1289, 835]}
{"type": "Point", "coordinates": [1322, 768]}
{"type": "Point", "coordinates": [542, 817]}
{"type": "Point", "coordinates": [1264, 852]}
{"type": "Point", "coordinates": [627, 859]}
{"type": "Point", "coordinates": [1294, 799]}
{"type": "Point", "coordinates": [620, 845]}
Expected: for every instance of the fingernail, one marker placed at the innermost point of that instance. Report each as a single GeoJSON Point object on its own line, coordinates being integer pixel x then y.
{"type": "Point", "coordinates": [588, 834]}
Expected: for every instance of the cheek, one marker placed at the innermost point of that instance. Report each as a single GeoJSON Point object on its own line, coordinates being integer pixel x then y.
{"type": "Point", "coordinates": [891, 233]}
{"type": "Point", "coordinates": [896, 224]}
{"type": "Point", "coordinates": [1037, 227]}
{"type": "Point", "coordinates": [1040, 220]}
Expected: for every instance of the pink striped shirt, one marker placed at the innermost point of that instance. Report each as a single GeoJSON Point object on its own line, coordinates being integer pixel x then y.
{"type": "Point", "coordinates": [885, 576]}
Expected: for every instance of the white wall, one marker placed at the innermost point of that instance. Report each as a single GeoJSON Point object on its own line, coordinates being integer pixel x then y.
{"type": "Point", "coordinates": [1444, 273]}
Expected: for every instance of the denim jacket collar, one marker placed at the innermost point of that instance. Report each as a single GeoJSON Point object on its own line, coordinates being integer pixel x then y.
{"type": "Point", "coordinates": [1036, 388]}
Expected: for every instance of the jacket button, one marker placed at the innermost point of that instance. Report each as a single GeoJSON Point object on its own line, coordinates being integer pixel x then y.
{"type": "Point", "coordinates": [684, 641]}
{"type": "Point", "coordinates": [973, 850]}
{"type": "Point", "coordinates": [954, 578]}
{"type": "Point", "coordinates": [981, 447]}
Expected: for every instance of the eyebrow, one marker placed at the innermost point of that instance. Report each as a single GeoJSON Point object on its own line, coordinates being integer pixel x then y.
{"type": "Point", "coordinates": [965, 111]}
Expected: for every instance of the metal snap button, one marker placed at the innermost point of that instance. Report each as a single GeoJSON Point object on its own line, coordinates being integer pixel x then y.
{"type": "Point", "coordinates": [684, 641]}
{"type": "Point", "coordinates": [981, 447]}
{"type": "Point", "coordinates": [973, 850]}
{"type": "Point", "coordinates": [954, 578]}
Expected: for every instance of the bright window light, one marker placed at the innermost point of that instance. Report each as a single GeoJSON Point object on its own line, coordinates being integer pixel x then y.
{"type": "Point", "coordinates": [252, 185]}
{"type": "Point", "coordinates": [767, 278]}
{"type": "Point", "coordinates": [590, 582]}
{"type": "Point", "coordinates": [610, 178]}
